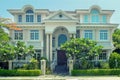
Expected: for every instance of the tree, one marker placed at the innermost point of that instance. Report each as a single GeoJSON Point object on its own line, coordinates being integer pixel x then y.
{"type": "Point", "coordinates": [22, 51]}
{"type": "Point", "coordinates": [81, 50]}
{"type": "Point", "coordinates": [6, 52]}
{"type": "Point", "coordinates": [114, 61]}
{"type": "Point", "coordinates": [4, 36]}
{"type": "Point", "coordinates": [116, 40]}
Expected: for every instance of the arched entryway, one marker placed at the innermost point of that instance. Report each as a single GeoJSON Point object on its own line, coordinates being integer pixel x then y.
{"type": "Point", "coordinates": [60, 36]}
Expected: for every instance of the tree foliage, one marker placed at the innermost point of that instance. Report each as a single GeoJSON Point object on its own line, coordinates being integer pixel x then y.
{"type": "Point", "coordinates": [81, 49]}
{"type": "Point", "coordinates": [23, 51]}
{"type": "Point", "coordinates": [4, 36]}
{"type": "Point", "coordinates": [116, 40]}
{"type": "Point", "coordinates": [114, 61]}
{"type": "Point", "coordinates": [6, 51]}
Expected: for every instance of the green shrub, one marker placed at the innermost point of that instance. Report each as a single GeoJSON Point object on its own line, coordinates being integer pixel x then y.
{"type": "Point", "coordinates": [114, 61]}
{"type": "Point", "coordinates": [96, 72]}
{"type": "Point", "coordinates": [104, 65]}
{"type": "Point", "coordinates": [32, 65]}
{"type": "Point", "coordinates": [20, 72]}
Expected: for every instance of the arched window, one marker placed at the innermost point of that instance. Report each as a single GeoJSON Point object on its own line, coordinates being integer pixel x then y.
{"type": "Point", "coordinates": [94, 16]}
{"type": "Point", "coordinates": [62, 38]}
{"type": "Point", "coordinates": [29, 16]}
{"type": "Point", "coordinates": [29, 11]}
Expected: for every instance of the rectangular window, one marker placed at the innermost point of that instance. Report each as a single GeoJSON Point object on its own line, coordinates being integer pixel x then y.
{"type": "Point", "coordinates": [19, 18]}
{"type": "Point", "coordinates": [77, 33]}
{"type": "Point", "coordinates": [85, 19]}
{"type": "Point", "coordinates": [29, 18]}
{"type": "Point", "coordinates": [103, 55]}
{"type": "Point", "coordinates": [37, 54]}
{"type": "Point", "coordinates": [103, 34]}
{"type": "Point", "coordinates": [18, 35]}
{"type": "Point", "coordinates": [38, 18]}
{"type": "Point", "coordinates": [104, 19]}
{"type": "Point", "coordinates": [34, 34]}
{"type": "Point", "coordinates": [88, 34]}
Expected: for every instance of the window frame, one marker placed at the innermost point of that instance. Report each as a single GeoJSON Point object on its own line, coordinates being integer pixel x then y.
{"type": "Point", "coordinates": [34, 35]}
{"type": "Point", "coordinates": [29, 16]}
{"type": "Point", "coordinates": [86, 18]}
{"type": "Point", "coordinates": [39, 18]}
{"type": "Point", "coordinates": [19, 18]}
{"type": "Point", "coordinates": [103, 55]}
{"type": "Point", "coordinates": [103, 35]}
{"type": "Point", "coordinates": [18, 34]}
{"type": "Point", "coordinates": [95, 18]}
{"type": "Point", "coordinates": [88, 34]}
{"type": "Point", "coordinates": [104, 18]}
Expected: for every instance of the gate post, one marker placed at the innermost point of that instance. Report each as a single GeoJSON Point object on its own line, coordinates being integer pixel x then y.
{"type": "Point", "coordinates": [10, 65]}
{"type": "Point", "coordinates": [70, 66]}
{"type": "Point", "coordinates": [43, 66]}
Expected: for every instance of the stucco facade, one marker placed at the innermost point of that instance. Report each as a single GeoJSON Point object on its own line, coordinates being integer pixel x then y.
{"type": "Point", "coordinates": [47, 30]}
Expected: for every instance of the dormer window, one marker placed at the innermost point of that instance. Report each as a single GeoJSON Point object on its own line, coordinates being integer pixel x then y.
{"type": "Point", "coordinates": [29, 16]}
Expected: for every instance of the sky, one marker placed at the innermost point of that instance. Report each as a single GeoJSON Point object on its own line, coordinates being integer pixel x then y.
{"type": "Point", "coordinates": [61, 4]}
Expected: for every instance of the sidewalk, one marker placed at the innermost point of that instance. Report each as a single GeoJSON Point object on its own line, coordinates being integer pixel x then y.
{"type": "Point", "coordinates": [56, 77]}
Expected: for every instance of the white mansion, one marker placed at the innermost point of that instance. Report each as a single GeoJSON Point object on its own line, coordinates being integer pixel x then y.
{"type": "Point", "coordinates": [47, 30]}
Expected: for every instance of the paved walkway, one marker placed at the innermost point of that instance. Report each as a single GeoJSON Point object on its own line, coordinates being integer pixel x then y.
{"type": "Point", "coordinates": [56, 77]}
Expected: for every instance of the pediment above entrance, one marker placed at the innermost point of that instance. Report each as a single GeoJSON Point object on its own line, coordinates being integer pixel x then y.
{"type": "Point", "coordinates": [60, 15]}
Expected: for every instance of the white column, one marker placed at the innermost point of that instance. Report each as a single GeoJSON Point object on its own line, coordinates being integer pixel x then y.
{"type": "Point", "coordinates": [96, 34]}
{"type": "Point", "coordinates": [47, 46]}
{"type": "Point", "coordinates": [81, 34]}
{"type": "Point", "coordinates": [50, 48]}
{"type": "Point", "coordinates": [43, 66]}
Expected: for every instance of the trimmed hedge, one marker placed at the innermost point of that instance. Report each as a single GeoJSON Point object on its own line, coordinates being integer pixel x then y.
{"type": "Point", "coordinates": [20, 72]}
{"type": "Point", "coordinates": [96, 72]}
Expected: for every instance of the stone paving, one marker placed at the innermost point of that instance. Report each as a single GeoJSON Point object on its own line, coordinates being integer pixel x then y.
{"type": "Point", "coordinates": [62, 77]}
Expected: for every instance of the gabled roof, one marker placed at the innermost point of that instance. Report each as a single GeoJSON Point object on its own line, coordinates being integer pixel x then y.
{"type": "Point", "coordinates": [60, 15]}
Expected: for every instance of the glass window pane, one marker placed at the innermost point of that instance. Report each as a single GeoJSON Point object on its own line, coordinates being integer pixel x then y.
{"type": "Point", "coordinates": [88, 34]}
{"type": "Point", "coordinates": [38, 18]}
{"type": "Point", "coordinates": [95, 16]}
{"type": "Point", "coordinates": [104, 19]}
{"type": "Point", "coordinates": [18, 35]}
{"type": "Point", "coordinates": [34, 35]}
{"type": "Point", "coordinates": [19, 18]}
{"type": "Point", "coordinates": [103, 34]}
{"type": "Point", "coordinates": [29, 11]}
{"type": "Point", "coordinates": [86, 18]}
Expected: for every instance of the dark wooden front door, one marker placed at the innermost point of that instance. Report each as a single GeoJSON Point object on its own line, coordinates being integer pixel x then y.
{"type": "Point", "coordinates": [61, 57]}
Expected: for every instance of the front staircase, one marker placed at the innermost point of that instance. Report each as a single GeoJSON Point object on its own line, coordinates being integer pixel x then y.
{"type": "Point", "coordinates": [61, 69]}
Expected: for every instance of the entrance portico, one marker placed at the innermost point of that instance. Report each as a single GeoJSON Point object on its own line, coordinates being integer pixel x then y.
{"type": "Point", "coordinates": [53, 41]}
